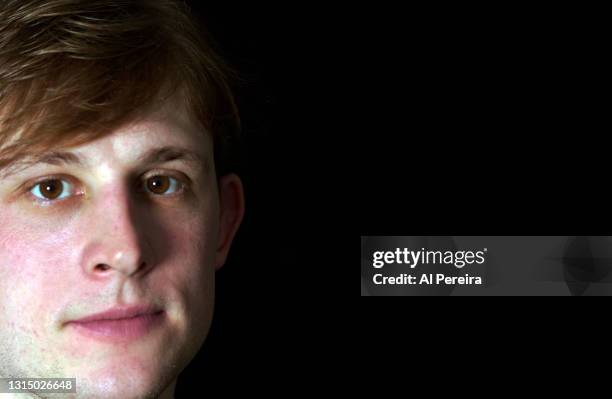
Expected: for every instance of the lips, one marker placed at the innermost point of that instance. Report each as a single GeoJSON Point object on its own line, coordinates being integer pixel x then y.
{"type": "Point", "coordinates": [120, 323]}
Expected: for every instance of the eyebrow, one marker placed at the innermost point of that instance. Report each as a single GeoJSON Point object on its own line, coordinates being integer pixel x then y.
{"type": "Point", "coordinates": [62, 158]}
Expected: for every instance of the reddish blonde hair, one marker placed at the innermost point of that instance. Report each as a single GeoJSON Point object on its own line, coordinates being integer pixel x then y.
{"type": "Point", "coordinates": [72, 71]}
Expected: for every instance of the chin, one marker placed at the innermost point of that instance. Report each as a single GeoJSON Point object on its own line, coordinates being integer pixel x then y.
{"type": "Point", "coordinates": [128, 380]}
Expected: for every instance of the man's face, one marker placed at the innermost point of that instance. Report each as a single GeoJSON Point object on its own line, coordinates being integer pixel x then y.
{"type": "Point", "coordinates": [121, 229]}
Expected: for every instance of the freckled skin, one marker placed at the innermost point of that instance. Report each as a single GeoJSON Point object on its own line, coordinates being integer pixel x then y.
{"type": "Point", "coordinates": [160, 250]}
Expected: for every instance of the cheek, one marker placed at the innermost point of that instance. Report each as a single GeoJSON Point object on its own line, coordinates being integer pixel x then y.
{"type": "Point", "coordinates": [22, 245]}
{"type": "Point", "coordinates": [30, 289]}
{"type": "Point", "coordinates": [188, 276]}
{"type": "Point", "coordinates": [31, 267]}
{"type": "Point", "coordinates": [185, 276]}
{"type": "Point", "coordinates": [189, 239]}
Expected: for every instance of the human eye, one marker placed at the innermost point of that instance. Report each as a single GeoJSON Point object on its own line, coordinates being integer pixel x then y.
{"type": "Point", "coordinates": [163, 185]}
{"type": "Point", "coordinates": [52, 189]}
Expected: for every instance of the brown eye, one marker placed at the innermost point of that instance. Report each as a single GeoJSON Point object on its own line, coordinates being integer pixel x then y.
{"type": "Point", "coordinates": [162, 184]}
{"type": "Point", "coordinates": [50, 189]}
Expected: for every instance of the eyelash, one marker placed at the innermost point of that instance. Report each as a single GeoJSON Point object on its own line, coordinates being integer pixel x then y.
{"type": "Point", "coordinates": [181, 185]}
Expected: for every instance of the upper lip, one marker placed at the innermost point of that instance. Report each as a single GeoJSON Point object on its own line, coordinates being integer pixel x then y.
{"type": "Point", "coordinates": [120, 312]}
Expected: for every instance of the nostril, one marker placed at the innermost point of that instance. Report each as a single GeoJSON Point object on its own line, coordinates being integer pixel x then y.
{"type": "Point", "coordinates": [102, 267]}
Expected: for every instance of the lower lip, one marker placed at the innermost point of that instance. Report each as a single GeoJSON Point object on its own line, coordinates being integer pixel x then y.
{"type": "Point", "coordinates": [120, 329]}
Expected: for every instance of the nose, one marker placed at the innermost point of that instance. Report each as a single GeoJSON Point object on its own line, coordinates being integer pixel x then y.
{"type": "Point", "coordinates": [116, 241]}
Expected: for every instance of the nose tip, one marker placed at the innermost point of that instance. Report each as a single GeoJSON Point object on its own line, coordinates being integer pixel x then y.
{"type": "Point", "coordinates": [105, 257]}
{"type": "Point", "coordinates": [123, 262]}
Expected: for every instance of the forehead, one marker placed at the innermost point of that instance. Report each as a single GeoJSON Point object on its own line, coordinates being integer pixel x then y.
{"type": "Point", "coordinates": [168, 125]}
{"type": "Point", "coordinates": [129, 142]}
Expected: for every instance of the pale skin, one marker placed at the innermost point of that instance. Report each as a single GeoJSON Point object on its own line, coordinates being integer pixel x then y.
{"type": "Point", "coordinates": [104, 242]}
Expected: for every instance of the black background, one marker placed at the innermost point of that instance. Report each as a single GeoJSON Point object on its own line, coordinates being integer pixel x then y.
{"type": "Point", "coordinates": [487, 121]}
